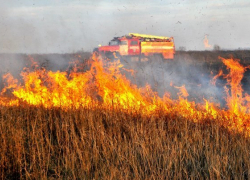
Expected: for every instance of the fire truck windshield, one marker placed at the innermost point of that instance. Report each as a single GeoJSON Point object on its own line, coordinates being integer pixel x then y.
{"type": "Point", "coordinates": [114, 43]}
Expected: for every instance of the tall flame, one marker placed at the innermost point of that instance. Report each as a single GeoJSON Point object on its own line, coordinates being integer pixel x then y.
{"type": "Point", "coordinates": [235, 100]}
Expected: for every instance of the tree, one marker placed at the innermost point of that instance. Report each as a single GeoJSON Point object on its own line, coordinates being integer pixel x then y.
{"type": "Point", "coordinates": [216, 47]}
{"type": "Point", "coordinates": [182, 48]}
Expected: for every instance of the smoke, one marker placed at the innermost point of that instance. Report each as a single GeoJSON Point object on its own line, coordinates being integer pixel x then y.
{"type": "Point", "coordinates": [167, 75]}
{"type": "Point", "coordinates": [15, 63]}
{"type": "Point", "coordinates": [162, 75]}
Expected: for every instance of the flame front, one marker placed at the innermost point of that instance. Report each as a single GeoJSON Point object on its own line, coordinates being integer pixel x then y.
{"type": "Point", "coordinates": [101, 84]}
{"type": "Point", "coordinates": [104, 86]}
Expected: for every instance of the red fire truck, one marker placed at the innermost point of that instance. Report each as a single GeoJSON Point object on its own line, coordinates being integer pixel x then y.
{"type": "Point", "coordinates": [140, 45]}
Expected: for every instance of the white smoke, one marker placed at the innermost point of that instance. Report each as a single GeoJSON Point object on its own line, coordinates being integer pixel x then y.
{"type": "Point", "coordinates": [166, 76]}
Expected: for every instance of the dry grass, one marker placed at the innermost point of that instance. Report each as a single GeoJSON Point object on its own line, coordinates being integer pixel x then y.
{"type": "Point", "coordinates": [37, 143]}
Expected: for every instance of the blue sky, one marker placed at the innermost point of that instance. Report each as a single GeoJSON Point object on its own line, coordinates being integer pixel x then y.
{"type": "Point", "coordinates": [32, 26]}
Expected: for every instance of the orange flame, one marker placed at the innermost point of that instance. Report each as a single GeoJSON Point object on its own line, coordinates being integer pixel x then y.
{"type": "Point", "coordinates": [213, 81]}
{"type": "Point", "coordinates": [183, 91]}
{"type": "Point", "coordinates": [236, 102]}
{"type": "Point", "coordinates": [105, 86]}
{"type": "Point", "coordinates": [206, 44]}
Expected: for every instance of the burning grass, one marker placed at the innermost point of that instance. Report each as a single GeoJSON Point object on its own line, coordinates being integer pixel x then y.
{"type": "Point", "coordinates": [97, 125]}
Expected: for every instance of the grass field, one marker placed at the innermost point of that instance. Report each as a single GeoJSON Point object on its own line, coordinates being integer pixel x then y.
{"type": "Point", "coordinates": [38, 143]}
{"type": "Point", "coordinates": [106, 142]}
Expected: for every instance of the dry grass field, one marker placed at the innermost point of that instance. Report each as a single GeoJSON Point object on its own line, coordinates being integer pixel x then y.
{"type": "Point", "coordinates": [107, 142]}
{"type": "Point", "coordinates": [39, 143]}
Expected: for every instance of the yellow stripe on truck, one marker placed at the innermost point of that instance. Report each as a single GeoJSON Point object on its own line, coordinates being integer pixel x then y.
{"type": "Point", "coordinates": [157, 47]}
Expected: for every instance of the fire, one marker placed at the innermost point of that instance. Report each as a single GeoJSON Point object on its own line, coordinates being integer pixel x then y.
{"type": "Point", "coordinates": [206, 44]}
{"type": "Point", "coordinates": [183, 92]}
{"type": "Point", "coordinates": [103, 83]}
{"type": "Point", "coordinates": [104, 86]}
{"type": "Point", "coordinates": [236, 102]}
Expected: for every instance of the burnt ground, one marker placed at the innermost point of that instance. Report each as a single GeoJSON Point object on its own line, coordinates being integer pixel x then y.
{"type": "Point", "coordinates": [194, 69]}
